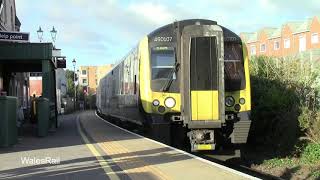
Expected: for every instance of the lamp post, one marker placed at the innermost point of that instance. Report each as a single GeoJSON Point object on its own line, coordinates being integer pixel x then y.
{"type": "Point", "coordinates": [53, 33]}
{"type": "Point", "coordinates": [54, 36]}
{"type": "Point", "coordinates": [74, 82]}
{"type": "Point", "coordinates": [40, 34]}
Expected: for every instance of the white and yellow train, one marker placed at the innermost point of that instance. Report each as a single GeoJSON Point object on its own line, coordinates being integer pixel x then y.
{"type": "Point", "coordinates": [186, 79]}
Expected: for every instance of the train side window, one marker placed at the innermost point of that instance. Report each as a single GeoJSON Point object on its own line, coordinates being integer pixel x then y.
{"type": "Point", "coordinates": [112, 72]}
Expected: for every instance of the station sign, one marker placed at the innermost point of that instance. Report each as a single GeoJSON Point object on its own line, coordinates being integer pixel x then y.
{"type": "Point", "coordinates": [14, 36]}
{"type": "Point", "coordinates": [61, 63]}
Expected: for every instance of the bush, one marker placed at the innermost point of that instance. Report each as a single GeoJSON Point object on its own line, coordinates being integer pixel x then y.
{"type": "Point", "coordinates": [311, 153]}
{"type": "Point", "coordinates": [306, 118]}
{"type": "Point", "coordinates": [285, 102]}
{"type": "Point", "coordinates": [313, 131]}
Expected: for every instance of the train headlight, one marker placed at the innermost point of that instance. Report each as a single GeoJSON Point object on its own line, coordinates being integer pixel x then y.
{"type": "Point", "coordinates": [229, 101]}
{"type": "Point", "coordinates": [170, 102]}
{"type": "Point", "coordinates": [237, 107]}
{"type": "Point", "coordinates": [161, 109]}
{"type": "Point", "coordinates": [242, 101]}
{"type": "Point", "coordinates": [156, 102]}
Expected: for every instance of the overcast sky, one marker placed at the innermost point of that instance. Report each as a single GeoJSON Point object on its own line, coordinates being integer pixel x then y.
{"type": "Point", "coordinates": [97, 32]}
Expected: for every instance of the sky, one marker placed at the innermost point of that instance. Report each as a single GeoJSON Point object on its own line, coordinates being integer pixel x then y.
{"type": "Point", "coordinates": [98, 32]}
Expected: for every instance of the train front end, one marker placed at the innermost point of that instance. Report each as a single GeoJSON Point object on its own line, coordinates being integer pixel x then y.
{"type": "Point", "coordinates": [182, 82]}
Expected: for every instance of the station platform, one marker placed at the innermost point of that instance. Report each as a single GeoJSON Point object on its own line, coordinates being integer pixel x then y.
{"type": "Point", "coordinates": [89, 147]}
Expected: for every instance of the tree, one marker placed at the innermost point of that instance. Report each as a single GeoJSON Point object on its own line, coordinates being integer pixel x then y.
{"type": "Point", "coordinates": [70, 84]}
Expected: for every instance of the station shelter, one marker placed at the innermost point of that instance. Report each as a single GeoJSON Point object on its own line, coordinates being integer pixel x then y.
{"type": "Point", "coordinates": [17, 60]}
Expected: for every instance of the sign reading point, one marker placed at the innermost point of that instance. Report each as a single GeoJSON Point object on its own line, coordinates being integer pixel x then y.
{"type": "Point", "coordinates": [14, 36]}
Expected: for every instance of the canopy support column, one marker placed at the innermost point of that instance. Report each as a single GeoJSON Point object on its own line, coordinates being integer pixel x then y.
{"type": "Point", "coordinates": [49, 87]}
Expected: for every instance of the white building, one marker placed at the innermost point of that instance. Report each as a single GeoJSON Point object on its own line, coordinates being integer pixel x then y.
{"type": "Point", "coordinates": [18, 81]}
{"type": "Point", "coordinates": [61, 80]}
{"type": "Point", "coordinates": [8, 18]}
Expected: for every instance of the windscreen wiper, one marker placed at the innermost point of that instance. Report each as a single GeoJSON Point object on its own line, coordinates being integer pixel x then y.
{"type": "Point", "coordinates": [168, 83]}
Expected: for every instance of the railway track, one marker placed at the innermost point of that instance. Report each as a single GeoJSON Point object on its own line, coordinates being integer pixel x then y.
{"type": "Point", "coordinates": [216, 159]}
{"type": "Point", "coordinates": [241, 168]}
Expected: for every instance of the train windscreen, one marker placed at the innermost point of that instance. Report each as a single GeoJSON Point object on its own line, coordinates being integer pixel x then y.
{"type": "Point", "coordinates": [234, 67]}
{"type": "Point", "coordinates": [162, 67]}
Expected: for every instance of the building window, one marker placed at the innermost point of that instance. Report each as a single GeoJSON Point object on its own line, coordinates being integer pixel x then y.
{"type": "Point", "coordinates": [302, 43]}
{"type": "Point", "coordinates": [12, 23]}
{"type": "Point", "coordinates": [276, 45]}
{"type": "Point", "coordinates": [84, 81]}
{"type": "Point", "coordinates": [287, 43]}
{"type": "Point", "coordinates": [314, 38]}
{"type": "Point", "coordinates": [252, 50]}
{"type": "Point", "coordinates": [84, 72]}
{"type": "Point", "coordinates": [263, 48]}
{"type": "Point", "coordinates": [3, 11]}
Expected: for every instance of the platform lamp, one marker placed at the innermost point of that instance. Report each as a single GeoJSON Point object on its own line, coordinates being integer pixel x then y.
{"type": "Point", "coordinates": [74, 82]}
{"type": "Point", "coordinates": [40, 34]}
{"type": "Point", "coordinates": [54, 36]}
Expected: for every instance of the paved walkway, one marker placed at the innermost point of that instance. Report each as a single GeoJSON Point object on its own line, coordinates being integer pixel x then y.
{"type": "Point", "coordinates": [65, 145]}
{"type": "Point", "coordinates": [140, 158]}
{"type": "Point", "coordinates": [87, 147]}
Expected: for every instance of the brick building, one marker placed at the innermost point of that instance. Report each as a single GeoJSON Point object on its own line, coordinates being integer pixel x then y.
{"type": "Point", "coordinates": [291, 39]}
{"type": "Point", "coordinates": [89, 76]}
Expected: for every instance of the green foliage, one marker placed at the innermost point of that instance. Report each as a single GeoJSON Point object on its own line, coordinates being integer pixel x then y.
{"type": "Point", "coordinates": [80, 93]}
{"type": "Point", "coordinates": [313, 132]}
{"type": "Point", "coordinates": [301, 77]}
{"type": "Point", "coordinates": [279, 162]}
{"type": "Point", "coordinates": [316, 174]}
{"type": "Point", "coordinates": [285, 102]}
{"type": "Point", "coordinates": [311, 153]}
{"type": "Point", "coordinates": [305, 118]}
{"type": "Point", "coordinates": [70, 83]}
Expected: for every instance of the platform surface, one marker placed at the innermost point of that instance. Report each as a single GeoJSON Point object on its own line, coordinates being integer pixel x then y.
{"type": "Point", "coordinates": [141, 158]}
{"type": "Point", "coordinates": [65, 145]}
{"type": "Point", "coordinates": [89, 147]}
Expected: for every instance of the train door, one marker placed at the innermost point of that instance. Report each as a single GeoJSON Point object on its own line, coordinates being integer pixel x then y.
{"type": "Point", "coordinates": [204, 79]}
{"type": "Point", "coordinates": [202, 90]}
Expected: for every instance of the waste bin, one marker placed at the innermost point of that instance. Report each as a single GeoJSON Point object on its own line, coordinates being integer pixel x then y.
{"type": "Point", "coordinates": [43, 116]}
{"type": "Point", "coordinates": [8, 121]}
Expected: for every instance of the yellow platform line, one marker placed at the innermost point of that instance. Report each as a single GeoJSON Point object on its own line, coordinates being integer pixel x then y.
{"type": "Point", "coordinates": [103, 163]}
{"type": "Point", "coordinates": [133, 167]}
{"type": "Point", "coordinates": [136, 164]}
{"type": "Point", "coordinates": [113, 148]}
{"type": "Point", "coordinates": [136, 158]}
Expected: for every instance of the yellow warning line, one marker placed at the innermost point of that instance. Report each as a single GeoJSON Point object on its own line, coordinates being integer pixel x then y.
{"type": "Point", "coordinates": [135, 163]}
{"type": "Point", "coordinates": [135, 167]}
{"type": "Point", "coordinates": [103, 163]}
{"type": "Point", "coordinates": [131, 164]}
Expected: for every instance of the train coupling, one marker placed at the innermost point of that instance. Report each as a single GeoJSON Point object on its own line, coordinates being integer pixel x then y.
{"type": "Point", "coordinates": [176, 118]}
{"type": "Point", "coordinates": [201, 140]}
{"type": "Point", "coordinates": [230, 117]}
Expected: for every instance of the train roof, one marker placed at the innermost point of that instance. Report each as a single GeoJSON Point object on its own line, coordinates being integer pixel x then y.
{"type": "Point", "coordinates": [228, 34]}
{"type": "Point", "coordinates": [182, 23]}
